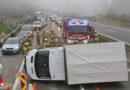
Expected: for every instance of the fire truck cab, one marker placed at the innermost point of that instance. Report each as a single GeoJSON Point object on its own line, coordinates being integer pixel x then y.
{"type": "Point", "coordinates": [78, 30]}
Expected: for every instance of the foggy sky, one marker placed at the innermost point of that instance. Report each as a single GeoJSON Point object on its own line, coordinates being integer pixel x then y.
{"type": "Point", "coordinates": [65, 7]}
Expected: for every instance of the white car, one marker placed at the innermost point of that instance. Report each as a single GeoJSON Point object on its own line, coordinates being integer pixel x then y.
{"type": "Point", "coordinates": [37, 24]}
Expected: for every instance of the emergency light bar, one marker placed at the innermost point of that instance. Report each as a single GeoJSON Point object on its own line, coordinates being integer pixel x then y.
{"type": "Point", "coordinates": [78, 22]}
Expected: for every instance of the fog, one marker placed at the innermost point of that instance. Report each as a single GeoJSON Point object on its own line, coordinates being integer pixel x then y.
{"type": "Point", "coordinates": [65, 7]}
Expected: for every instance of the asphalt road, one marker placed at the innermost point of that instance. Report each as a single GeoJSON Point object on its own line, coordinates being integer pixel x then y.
{"type": "Point", "coordinates": [11, 64]}
{"type": "Point", "coordinates": [53, 85]}
{"type": "Point", "coordinates": [114, 31]}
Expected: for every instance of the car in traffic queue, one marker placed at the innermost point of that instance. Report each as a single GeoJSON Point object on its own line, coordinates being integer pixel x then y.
{"type": "Point", "coordinates": [53, 17]}
{"type": "Point", "coordinates": [59, 22]}
{"type": "Point", "coordinates": [27, 28]}
{"type": "Point", "coordinates": [37, 25]}
{"type": "Point", "coordinates": [12, 45]}
{"type": "Point", "coordinates": [21, 34]}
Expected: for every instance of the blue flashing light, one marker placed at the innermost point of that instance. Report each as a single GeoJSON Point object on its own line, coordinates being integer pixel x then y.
{"type": "Point", "coordinates": [78, 22]}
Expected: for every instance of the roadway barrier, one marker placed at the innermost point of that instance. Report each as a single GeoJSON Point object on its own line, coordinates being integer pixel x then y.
{"type": "Point", "coordinates": [111, 39]}
{"type": "Point", "coordinates": [10, 33]}
{"type": "Point", "coordinates": [111, 21]}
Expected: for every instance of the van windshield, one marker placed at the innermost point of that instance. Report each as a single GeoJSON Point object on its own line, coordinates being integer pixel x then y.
{"type": "Point", "coordinates": [42, 64]}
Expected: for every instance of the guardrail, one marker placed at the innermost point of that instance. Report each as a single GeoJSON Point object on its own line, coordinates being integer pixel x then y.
{"type": "Point", "coordinates": [10, 33]}
{"type": "Point", "coordinates": [111, 39]}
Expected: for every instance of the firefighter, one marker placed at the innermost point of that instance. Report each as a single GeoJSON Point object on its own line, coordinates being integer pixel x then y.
{"type": "Point", "coordinates": [38, 37]}
{"type": "Point", "coordinates": [80, 42]}
{"type": "Point", "coordinates": [43, 35]}
{"type": "Point", "coordinates": [29, 39]}
{"type": "Point", "coordinates": [59, 41]}
{"type": "Point", "coordinates": [52, 35]}
{"type": "Point", "coordinates": [28, 47]}
{"type": "Point", "coordinates": [24, 39]}
{"type": "Point", "coordinates": [25, 48]}
{"type": "Point", "coordinates": [52, 42]}
{"type": "Point", "coordinates": [45, 43]}
{"type": "Point", "coordinates": [64, 35]}
{"type": "Point", "coordinates": [47, 34]}
{"type": "Point", "coordinates": [96, 37]}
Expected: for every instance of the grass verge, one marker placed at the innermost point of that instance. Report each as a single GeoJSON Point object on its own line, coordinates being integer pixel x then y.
{"type": "Point", "coordinates": [4, 28]}
{"type": "Point", "coordinates": [17, 20]}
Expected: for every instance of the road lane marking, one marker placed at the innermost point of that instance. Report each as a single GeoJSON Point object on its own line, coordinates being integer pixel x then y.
{"type": "Point", "coordinates": [110, 30]}
{"type": "Point", "coordinates": [82, 87]}
{"type": "Point", "coordinates": [17, 79]}
{"type": "Point", "coordinates": [34, 85]}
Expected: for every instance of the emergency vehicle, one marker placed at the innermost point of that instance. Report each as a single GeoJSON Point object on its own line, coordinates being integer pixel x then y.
{"type": "Point", "coordinates": [65, 23]}
{"type": "Point", "coordinates": [77, 30]}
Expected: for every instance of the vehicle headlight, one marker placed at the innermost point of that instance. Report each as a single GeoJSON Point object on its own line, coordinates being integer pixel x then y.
{"type": "Point", "coordinates": [84, 41]}
{"type": "Point", "coordinates": [3, 48]}
{"type": "Point", "coordinates": [16, 48]}
{"type": "Point", "coordinates": [69, 41]}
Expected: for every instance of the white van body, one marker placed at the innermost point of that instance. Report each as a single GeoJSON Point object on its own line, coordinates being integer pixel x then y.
{"type": "Point", "coordinates": [79, 64]}
{"type": "Point", "coordinates": [55, 63]}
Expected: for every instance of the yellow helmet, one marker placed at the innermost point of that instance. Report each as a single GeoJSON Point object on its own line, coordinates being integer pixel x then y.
{"type": "Point", "coordinates": [59, 36]}
{"type": "Point", "coordinates": [24, 35]}
{"type": "Point", "coordinates": [47, 32]}
{"type": "Point", "coordinates": [46, 39]}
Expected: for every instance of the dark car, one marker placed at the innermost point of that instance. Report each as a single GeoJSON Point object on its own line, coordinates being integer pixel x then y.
{"type": "Point", "coordinates": [27, 28]}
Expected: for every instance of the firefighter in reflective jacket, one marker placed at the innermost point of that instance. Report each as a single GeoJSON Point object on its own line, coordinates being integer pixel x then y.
{"type": "Point", "coordinates": [25, 49]}
{"type": "Point", "coordinates": [38, 37]}
{"type": "Point", "coordinates": [52, 34]}
{"type": "Point", "coordinates": [52, 42]}
{"type": "Point", "coordinates": [24, 39]}
{"type": "Point", "coordinates": [46, 34]}
{"type": "Point", "coordinates": [45, 43]}
{"type": "Point", "coordinates": [43, 35]}
{"type": "Point", "coordinates": [64, 35]}
{"type": "Point", "coordinates": [96, 37]}
{"type": "Point", "coordinates": [80, 42]}
{"type": "Point", "coordinates": [59, 41]}
{"type": "Point", "coordinates": [29, 39]}
{"type": "Point", "coordinates": [28, 47]}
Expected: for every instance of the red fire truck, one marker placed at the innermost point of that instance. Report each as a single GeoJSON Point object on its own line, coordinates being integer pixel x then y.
{"type": "Point", "coordinates": [65, 23]}
{"type": "Point", "coordinates": [77, 30]}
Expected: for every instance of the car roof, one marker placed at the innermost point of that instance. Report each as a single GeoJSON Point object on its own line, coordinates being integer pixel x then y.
{"type": "Point", "coordinates": [27, 25]}
{"type": "Point", "coordinates": [24, 32]}
{"type": "Point", "coordinates": [36, 21]}
{"type": "Point", "coordinates": [16, 38]}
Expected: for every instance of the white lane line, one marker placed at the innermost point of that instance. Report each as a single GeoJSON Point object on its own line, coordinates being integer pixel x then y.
{"type": "Point", "coordinates": [82, 87]}
{"type": "Point", "coordinates": [17, 79]}
{"type": "Point", "coordinates": [110, 30]}
{"type": "Point", "coordinates": [128, 70]}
